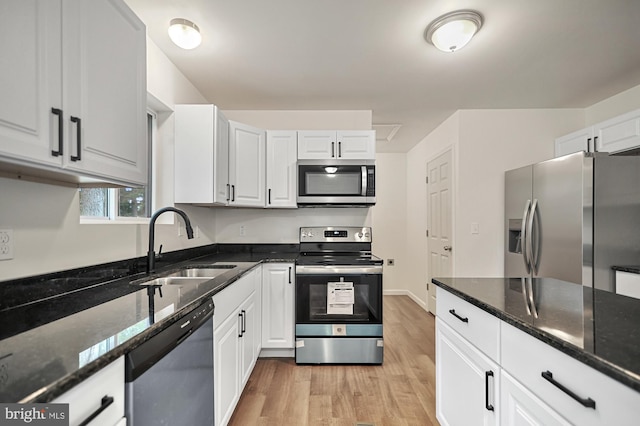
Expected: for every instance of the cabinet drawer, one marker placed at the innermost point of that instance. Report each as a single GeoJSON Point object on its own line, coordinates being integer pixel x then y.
{"type": "Point", "coordinates": [228, 300]}
{"type": "Point", "coordinates": [526, 358]}
{"type": "Point", "coordinates": [87, 398]}
{"type": "Point", "coordinates": [477, 326]}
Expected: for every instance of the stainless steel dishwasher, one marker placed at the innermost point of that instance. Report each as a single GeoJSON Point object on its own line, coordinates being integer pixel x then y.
{"type": "Point", "coordinates": [169, 378]}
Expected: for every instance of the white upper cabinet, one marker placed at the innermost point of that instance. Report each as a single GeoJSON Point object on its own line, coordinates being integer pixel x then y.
{"type": "Point", "coordinates": [618, 134]}
{"type": "Point", "coordinates": [281, 168]}
{"type": "Point", "coordinates": [30, 80]}
{"type": "Point", "coordinates": [76, 84]}
{"type": "Point", "coordinates": [331, 144]}
{"type": "Point", "coordinates": [580, 140]}
{"type": "Point", "coordinates": [201, 155]}
{"type": "Point", "coordinates": [247, 153]}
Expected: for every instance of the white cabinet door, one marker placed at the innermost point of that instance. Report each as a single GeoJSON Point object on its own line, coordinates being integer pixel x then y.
{"type": "Point", "coordinates": [331, 144]}
{"type": "Point", "coordinates": [226, 361]}
{"type": "Point", "coordinates": [248, 338]}
{"type": "Point", "coordinates": [581, 140]}
{"type": "Point", "coordinates": [356, 144]}
{"type": "Point", "coordinates": [316, 144]}
{"type": "Point", "coordinates": [628, 284]}
{"type": "Point", "coordinates": [278, 283]}
{"type": "Point", "coordinates": [104, 72]}
{"type": "Point", "coordinates": [74, 89]}
{"type": "Point", "coordinates": [103, 392]}
{"type": "Point", "coordinates": [519, 407]}
{"type": "Point", "coordinates": [201, 155]}
{"type": "Point", "coordinates": [247, 153]}
{"type": "Point", "coordinates": [467, 382]}
{"type": "Point", "coordinates": [282, 154]}
{"type": "Point", "coordinates": [618, 134]}
{"type": "Point", "coordinates": [31, 83]}
{"type": "Point", "coordinates": [221, 160]}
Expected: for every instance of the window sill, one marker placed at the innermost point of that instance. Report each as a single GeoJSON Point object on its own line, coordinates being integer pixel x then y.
{"type": "Point", "coordinates": [119, 221]}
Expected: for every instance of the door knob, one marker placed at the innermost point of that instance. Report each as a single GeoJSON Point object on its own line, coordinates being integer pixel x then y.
{"type": "Point", "coordinates": [448, 248]}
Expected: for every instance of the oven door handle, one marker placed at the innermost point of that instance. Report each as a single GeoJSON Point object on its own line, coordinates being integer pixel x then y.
{"type": "Point", "coordinates": [338, 269]}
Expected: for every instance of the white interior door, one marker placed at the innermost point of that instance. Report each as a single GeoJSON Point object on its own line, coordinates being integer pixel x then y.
{"type": "Point", "coordinates": [439, 195]}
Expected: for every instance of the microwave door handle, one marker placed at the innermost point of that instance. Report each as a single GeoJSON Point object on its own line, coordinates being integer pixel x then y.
{"type": "Point", "coordinates": [364, 181]}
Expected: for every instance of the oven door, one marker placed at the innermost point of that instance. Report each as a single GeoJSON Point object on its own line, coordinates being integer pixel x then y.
{"type": "Point", "coordinates": [338, 300]}
{"type": "Point", "coordinates": [331, 182]}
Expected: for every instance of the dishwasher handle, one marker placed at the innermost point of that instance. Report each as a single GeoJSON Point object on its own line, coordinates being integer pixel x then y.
{"type": "Point", "coordinates": [143, 357]}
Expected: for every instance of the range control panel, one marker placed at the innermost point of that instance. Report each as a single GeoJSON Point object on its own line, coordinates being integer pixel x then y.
{"type": "Point", "coordinates": [330, 234]}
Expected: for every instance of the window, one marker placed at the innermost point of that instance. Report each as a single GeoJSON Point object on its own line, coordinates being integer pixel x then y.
{"type": "Point", "coordinates": [121, 203]}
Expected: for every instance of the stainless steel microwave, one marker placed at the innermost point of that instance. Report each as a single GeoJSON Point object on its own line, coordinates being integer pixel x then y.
{"type": "Point", "coordinates": [336, 182]}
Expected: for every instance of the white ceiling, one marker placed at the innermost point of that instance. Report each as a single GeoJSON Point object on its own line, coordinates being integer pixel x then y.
{"type": "Point", "coordinates": [371, 54]}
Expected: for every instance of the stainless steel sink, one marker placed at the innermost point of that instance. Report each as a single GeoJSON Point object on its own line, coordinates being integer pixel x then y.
{"type": "Point", "coordinates": [194, 275]}
{"type": "Point", "coordinates": [196, 272]}
{"type": "Point", "coordinates": [175, 281]}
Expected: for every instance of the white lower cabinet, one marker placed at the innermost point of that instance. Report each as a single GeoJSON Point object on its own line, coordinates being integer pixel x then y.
{"type": "Point", "coordinates": [628, 284]}
{"type": "Point", "coordinates": [237, 341]}
{"type": "Point", "coordinates": [573, 390]}
{"type": "Point", "coordinates": [99, 398]}
{"type": "Point", "coordinates": [278, 284]}
{"type": "Point", "coordinates": [527, 382]}
{"type": "Point", "coordinates": [467, 381]}
{"type": "Point", "coordinates": [520, 407]}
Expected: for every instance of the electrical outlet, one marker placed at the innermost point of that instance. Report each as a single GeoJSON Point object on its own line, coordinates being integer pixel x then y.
{"type": "Point", "coordinates": [243, 231]}
{"type": "Point", "coordinates": [196, 232]}
{"type": "Point", "coordinates": [180, 233]}
{"type": "Point", "coordinates": [475, 228]}
{"type": "Point", "coordinates": [6, 244]}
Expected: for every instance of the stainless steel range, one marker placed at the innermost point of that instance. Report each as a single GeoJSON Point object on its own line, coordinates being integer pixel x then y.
{"type": "Point", "coordinates": [338, 297]}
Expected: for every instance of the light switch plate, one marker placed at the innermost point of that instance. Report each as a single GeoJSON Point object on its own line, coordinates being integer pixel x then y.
{"type": "Point", "coordinates": [6, 244]}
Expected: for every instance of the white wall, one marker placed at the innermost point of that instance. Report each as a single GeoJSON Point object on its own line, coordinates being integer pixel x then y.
{"type": "Point", "coordinates": [491, 142]}
{"type": "Point", "coordinates": [389, 213]}
{"type": "Point", "coordinates": [485, 144]}
{"type": "Point", "coordinates": [415, 274]}
{"type": "Point", "coordinates": [619, 104]}
{"type": "Point", "coordinates": [48, 236]}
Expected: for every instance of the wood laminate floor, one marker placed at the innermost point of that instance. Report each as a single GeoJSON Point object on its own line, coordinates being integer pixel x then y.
{"type": "Point", "coordinates": [399, 392]}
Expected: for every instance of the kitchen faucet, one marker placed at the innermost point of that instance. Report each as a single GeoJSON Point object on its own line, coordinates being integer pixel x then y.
{"type": "Point", "coordinates": [151, 255]}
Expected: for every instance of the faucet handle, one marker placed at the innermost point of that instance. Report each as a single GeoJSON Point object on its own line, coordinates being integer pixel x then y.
{"type": "Point", "coordinates": [159, 255]}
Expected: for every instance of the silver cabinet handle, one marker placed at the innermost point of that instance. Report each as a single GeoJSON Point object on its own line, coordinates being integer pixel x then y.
{"type": "Point", "coordinates": [523, 236]}
{"type": "Point", "coordinates": [533, 261]}
{"type": "Point", "coordinates": [447, 248]}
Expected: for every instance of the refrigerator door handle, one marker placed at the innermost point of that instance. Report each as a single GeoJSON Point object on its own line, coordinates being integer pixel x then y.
{"type": "Point", "coordinates": [524, 295]}
{"type": "Point", "coordinates": [533, 258]}
{"type": "Point", "coordinates": [523, 237]}
{"type": "Point", "coordinates": [532, 302]}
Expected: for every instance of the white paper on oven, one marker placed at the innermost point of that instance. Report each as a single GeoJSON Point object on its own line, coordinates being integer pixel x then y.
{"type": "Point", "coordinates": [340, 298]}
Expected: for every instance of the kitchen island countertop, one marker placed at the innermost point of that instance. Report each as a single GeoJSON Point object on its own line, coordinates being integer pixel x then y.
{"type": "Point", "coordinates": [598, 328]}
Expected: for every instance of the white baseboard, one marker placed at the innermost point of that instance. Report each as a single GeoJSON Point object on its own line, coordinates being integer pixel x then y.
{"type": "Point", "coordinates": [277, 353]}
{"type": "Point", "coordinates": [413, 297]}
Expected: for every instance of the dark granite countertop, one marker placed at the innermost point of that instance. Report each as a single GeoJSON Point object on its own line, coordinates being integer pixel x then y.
{"type": "Point", "coordinates": [634, 269]}
{"type": "Point", "coordinates": [58, 329]}
{"type": "Point", "coordinates": [598, 328]}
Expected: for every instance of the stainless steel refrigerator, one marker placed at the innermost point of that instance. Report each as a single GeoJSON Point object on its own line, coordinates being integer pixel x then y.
{"type": "Point", "coordinates": [573, 218]}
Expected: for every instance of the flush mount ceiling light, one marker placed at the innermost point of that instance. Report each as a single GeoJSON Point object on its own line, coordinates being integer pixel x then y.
{"type": "Point", "coordinates": [184, 33]}
{"type": "Point", "coordinates": [454, 30]}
